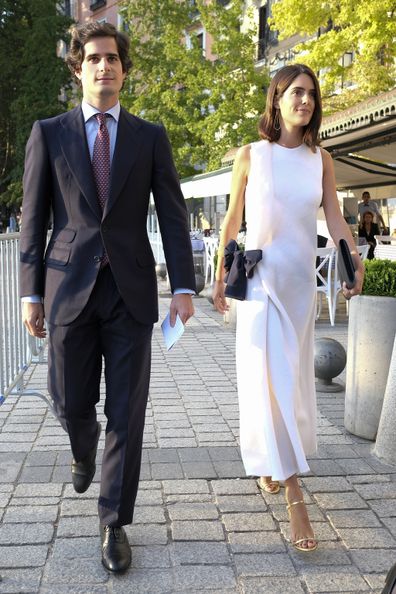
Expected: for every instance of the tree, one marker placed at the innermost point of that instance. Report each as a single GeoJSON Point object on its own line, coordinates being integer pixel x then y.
{"type": "Point", "coordinates": [236, 87]}
{"type": "Point", "coordinates": [32, 77]}
{"type": "Point", "coordinates": [206, 106]}
{"type": "Point", "coordinates": [365, 29]}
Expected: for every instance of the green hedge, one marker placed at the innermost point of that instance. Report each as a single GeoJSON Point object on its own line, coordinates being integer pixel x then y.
{"type": "Point", "coordinates": [380, 278]}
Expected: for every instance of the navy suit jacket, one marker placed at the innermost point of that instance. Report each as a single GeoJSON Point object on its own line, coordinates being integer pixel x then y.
{"type": "Point", "coordinates": [58, 180]}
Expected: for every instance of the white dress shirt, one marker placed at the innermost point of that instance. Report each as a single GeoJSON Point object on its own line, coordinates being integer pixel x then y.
{"type": "Point", "coordinates": [92, 125]}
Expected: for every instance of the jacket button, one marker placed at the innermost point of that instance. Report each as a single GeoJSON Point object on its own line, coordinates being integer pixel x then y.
{"type": "Point", "coordinates": [97, 258]}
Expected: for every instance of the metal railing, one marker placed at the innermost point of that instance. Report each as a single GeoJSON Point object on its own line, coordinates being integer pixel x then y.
{"type": "Point", "coordinates": [157, 247]}
{"type": "Point", "coordinates": [18, 350]}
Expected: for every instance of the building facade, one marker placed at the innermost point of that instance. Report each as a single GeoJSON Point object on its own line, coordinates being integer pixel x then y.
{"type": "Point", "coordinates": [337, 131]}
{"type": "Point", "coordinates": [94, 10]}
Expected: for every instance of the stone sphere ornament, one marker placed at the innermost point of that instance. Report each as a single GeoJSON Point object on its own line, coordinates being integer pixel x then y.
{"type": "Point", "coordinates": [329, 361]}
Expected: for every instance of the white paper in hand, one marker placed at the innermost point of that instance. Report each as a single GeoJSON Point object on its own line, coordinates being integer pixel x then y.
{"type": "Point", "coordinates": [172, 335]}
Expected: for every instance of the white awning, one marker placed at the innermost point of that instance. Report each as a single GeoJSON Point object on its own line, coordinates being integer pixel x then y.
{"type": "Point", "coordinates": [215, 183]}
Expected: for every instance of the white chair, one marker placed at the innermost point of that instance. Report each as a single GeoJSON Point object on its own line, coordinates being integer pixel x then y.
{"type": "Point", "coordinates": [211, 245]}
{"type": "Point", "coordinates": [385, 239]}
{"type": "Point", "coordinates": [324, 276]}
{"type": "Point", "coordinates": [385, 252]}
{"type": "Point", "coordinates": [363, 250]}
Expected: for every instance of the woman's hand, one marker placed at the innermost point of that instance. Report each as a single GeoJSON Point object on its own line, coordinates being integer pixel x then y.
{"type": "Point", "coordinates": [357, 289]}
{"type": "Point", "coordinates": [219, 300]}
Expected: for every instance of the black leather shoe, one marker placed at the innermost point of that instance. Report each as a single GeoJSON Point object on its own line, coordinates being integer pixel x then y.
{"type": "Point", "coordinates": [116, 551]}
{"type": "Point", "coordinates": [390, 584]}
{"type": "Point", "coordinates": [84, 471]}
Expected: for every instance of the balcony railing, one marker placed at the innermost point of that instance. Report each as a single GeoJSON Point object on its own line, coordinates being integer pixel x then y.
{"type": "Point", "coordinates": [97, 4]}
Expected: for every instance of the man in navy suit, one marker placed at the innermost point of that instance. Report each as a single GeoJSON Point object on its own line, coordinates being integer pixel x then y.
{"type": "Point", "coordinates": [95, 283]}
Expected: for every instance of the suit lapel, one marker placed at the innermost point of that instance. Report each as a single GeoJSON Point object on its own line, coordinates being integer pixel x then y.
{"type": "Point", "coordinates": [125, 153]}
{"type": "Point", "coordinates": [75, 150]}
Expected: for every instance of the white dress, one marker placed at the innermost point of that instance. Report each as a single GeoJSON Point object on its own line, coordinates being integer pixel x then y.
{"type": "Point", "coordinates": [275, 324]}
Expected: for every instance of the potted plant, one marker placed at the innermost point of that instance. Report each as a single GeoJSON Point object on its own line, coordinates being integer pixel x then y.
{"type": "Point", "coordinates": [371, 332]}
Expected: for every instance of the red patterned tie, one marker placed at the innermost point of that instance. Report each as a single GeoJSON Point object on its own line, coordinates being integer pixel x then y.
{"type": "Point", "coordinates": [101, 165]}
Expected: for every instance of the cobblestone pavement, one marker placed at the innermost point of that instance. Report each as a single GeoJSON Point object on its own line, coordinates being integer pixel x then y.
{"type": "Point", "coordinates": [200, 524]}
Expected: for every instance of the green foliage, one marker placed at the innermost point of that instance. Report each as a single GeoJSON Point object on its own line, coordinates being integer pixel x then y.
{"type": "Point", "coordinates": [32, 77]}
{"type": "Point", "coordinates": [206, 106]}
{"type": "Point", "coordinates": [380, 278]}
{"type": "Point", "coordinates": [365, 28]}
{"type": "Point", "coordinates": [12, 196]}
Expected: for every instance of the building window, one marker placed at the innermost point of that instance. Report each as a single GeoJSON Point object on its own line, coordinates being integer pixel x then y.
{"type": "Point", "coordinates": [122, 25]}
{"type": "Point", "coordinates": [266, 36]}
{"type": "Point", "coordinates": [262, 42]}
{"type": "Point", "coordinates": [200, 38]}
{"type": "Point", "coordinates": [95, 4]}
{"type": "Point", "coordinates": [68, 7]}
{"type": "Point", "coordinates": [346, 61]}
{"type": "Point", "coordinates": [199, 35]}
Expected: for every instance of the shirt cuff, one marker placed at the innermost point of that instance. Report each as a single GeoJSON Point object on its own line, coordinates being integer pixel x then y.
{"type": "Point", "coordinates": [31, 299]}
{"type": "Point", "coordinates": [183, 292]}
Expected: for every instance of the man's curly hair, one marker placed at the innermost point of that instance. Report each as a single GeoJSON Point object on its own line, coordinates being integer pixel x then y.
{"type": "Point", "coordinates": [81, 34]}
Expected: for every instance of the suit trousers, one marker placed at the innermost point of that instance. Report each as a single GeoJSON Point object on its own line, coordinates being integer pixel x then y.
{"type": "Point", "coordinates": [104, 330]}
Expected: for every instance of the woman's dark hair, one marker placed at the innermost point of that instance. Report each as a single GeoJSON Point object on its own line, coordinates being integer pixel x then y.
{"type": "Point", "coordinates": [366, 212]}
{"type": "Point", "coordinates": [81, 34]}
{"type": "Point", "coordinates": [280, 82]}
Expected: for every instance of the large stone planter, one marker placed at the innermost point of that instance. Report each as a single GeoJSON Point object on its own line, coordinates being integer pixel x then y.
{"type": "Point", "coordinates": [385, 445]}
{"type": "Point", "coordinates": [160, 270]}
{"type": "Point", "coordinates": [371, 331]}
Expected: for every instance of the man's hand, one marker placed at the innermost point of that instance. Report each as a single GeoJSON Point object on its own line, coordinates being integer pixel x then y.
{"type": "Point", "coordinates": [33, 318]}
{"type": "Point", "coordinates": [181, 304]}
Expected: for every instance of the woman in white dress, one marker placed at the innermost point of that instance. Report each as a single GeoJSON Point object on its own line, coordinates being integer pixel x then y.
{"type": "Point", "coordinates": [281, 181]}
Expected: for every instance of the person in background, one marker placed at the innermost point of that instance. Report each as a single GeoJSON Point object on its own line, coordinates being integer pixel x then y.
{"type": "Point", "coordinates": [367, 230]}
{"type": "Point", "coordinates": [241, 237]}
{"type": "Point", "coordinates": [370, 205]}
{"type": "Point", "coordinates": [12, 225]}
{"type": "Point", "coordinates": [94, 168]}
{"type": "Point", "coordinates": [19, 220]}
{"type": "Point", "coordinates": [281, 182]}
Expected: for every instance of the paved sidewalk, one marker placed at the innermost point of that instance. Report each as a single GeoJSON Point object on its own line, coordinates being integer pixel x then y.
{"type": "Point", "coordinates": [200, 524]}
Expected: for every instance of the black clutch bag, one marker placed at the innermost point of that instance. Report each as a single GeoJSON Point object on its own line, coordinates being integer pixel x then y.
{"type": "Point", "coordinates": [346, 268]}
{"type": "Point", "coordinates": [239, 266]}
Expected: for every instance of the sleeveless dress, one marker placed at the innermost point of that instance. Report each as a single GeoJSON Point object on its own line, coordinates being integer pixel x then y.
{"type": "Point", "coordinates": [275, 324]}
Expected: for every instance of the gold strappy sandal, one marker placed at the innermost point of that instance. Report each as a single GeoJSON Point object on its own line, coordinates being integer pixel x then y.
{"type": "Point", "coordinates": [296, 543]}
{"type": "Point", "coordinates": [271, 487]}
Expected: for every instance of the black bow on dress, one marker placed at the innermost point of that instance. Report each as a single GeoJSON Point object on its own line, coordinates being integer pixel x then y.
{"type": "Point", "coordinates": [239, 266]}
